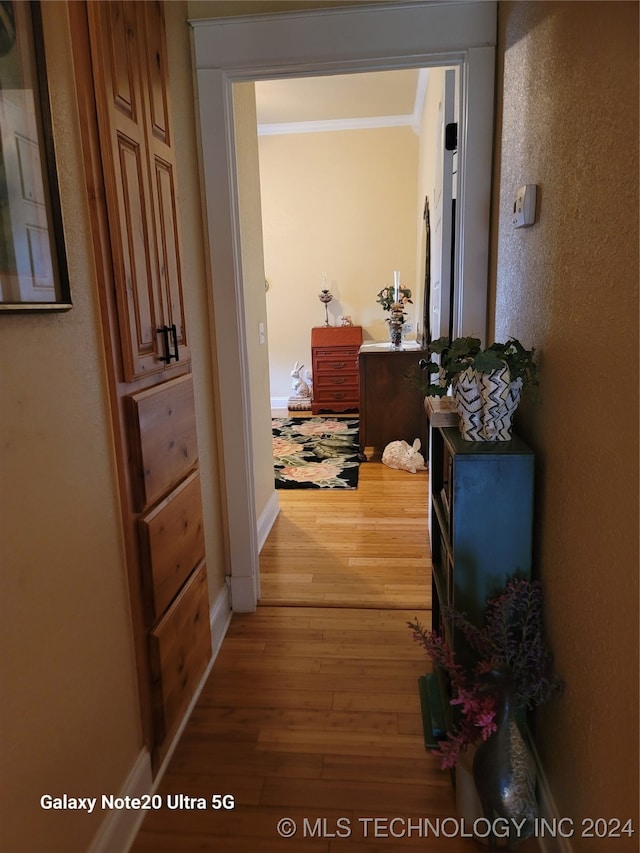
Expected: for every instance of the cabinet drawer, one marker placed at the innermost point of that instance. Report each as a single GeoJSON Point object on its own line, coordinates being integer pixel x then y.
{"type": "Point", "coordinates": [338, 358]}
{"type": "Point", "coordinates": [336, 396]}
{"type": "Point", "coordinates": [163, 422]}
{"type": "Point", "coordinates": [172, 542]}
{"type": "Point", "coordinates": [337, 382]}
{"type": "Point", "coordinates": [180, 649]}
{"type": "Point", "coordinates": [338, 377]}
{"type": "Point", "coordinates": [336, 336]}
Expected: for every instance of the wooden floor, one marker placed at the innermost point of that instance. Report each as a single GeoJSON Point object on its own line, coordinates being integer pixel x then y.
{"type": "Point", "coordinates": [312, 715]}
{"type": "Point", "coordinates": [311, 712]}
{"type": "Point", "coordinates": [362, 548]}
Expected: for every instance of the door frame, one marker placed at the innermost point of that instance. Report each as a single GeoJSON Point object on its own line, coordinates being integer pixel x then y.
{"type": "Point", "coordinates": [329, 41]}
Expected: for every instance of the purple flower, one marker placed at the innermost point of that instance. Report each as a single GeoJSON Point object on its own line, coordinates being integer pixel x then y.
{"type": "Point", "coordinates": [512, 637]}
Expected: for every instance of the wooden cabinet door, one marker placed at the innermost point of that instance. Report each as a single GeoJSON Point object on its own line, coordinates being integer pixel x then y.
{"type": "Point", "coordinates": [121, 73]}
{"type": "Point", "coordinates": [391, 407]}
{"type": "Point", "coordinates": [129, 67]}
{"type": "Point", "coordinates": [163, 183]}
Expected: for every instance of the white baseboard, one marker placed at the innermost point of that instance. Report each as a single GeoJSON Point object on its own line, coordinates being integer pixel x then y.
{"type": "Point", "coordinates": [547, 841]}
{"type": "Point", "coordinates": [279, 402]}
{"type": "Point", "coordinates": [267, 519]}
{"type": "Point", "coordinates": [219, 618]}
{"type": "Point", "coordinates": [120, 828]}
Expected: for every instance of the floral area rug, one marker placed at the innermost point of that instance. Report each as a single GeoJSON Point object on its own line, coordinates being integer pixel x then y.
{"type": "Point", "coordinates": [315, 453]}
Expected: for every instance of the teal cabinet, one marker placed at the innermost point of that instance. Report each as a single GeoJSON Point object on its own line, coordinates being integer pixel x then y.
{"type": "Point", "coordinates": [481, 524]}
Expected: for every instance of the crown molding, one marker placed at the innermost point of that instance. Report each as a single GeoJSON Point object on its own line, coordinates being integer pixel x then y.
{"type": "Point", "coordinates": [363, 123]}
{"type": "Point", "coordinates": [334, 125]}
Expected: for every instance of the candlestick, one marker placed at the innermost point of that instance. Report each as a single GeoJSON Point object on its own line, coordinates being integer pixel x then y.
{"type": "Point", "coordinates": [325, 297]}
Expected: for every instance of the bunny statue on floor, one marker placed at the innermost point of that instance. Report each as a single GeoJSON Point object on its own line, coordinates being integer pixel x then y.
{"type": "Point", "coordinates": [404, 456]}
{"type": "Point", "coordinates": [299, 387]}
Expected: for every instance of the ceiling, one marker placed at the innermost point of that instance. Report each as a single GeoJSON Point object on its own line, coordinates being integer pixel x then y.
{"type": "Point", "coordinates": [341, 102]}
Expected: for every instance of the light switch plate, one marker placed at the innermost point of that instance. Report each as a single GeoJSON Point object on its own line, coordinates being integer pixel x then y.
{"type": "Point", "coordinates": [524, 207]}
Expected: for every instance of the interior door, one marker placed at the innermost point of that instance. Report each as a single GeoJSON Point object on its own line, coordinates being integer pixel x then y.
{"type": "Point", "coordinates": [122, 79]}
{"type": "Point", "coordinates": [442, 218]}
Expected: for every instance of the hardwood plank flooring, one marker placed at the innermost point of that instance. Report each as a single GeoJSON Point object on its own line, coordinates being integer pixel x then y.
{"type": "Point", "coordinates": [311, 711]}
{"type": "Point", "coordinates": [361, 548]}
{"type": "Point", "coordinates": [310, 714]}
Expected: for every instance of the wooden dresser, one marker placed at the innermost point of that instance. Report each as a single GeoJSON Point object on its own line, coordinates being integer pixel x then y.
{"type": "Point", "coordinates": [334, 360]}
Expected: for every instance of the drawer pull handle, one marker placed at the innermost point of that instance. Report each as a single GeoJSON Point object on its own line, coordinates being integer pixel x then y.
{"type": "Point", "coordinates": [174, 335]}
{"type": "Point", "coordinates": [165, 331]}
{"type": "Point", "coordinates": [338, 365]}
{"type": "Point", "coordinates": [339, 380]}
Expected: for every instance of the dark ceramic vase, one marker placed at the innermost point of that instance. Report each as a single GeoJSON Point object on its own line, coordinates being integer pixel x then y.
{"type": "Point", "coordinates": [504, 770]}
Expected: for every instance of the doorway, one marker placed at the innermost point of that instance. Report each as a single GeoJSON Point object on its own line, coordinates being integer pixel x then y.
{"type": "Point", "coordinates": [419, 35]}
{"type": "Point", "coordinates": [340, 162]}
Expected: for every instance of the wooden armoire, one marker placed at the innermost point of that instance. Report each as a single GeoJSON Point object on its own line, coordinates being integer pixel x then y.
{"type": "Point", "coordinates": [120, 61]}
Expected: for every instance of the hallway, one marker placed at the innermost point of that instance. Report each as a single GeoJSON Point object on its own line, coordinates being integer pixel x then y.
{"type": "Point", "coordinates": [312, 711]}
{"type": "Point", "coordinates": [309, 713]}
{"type": "Point", "coordinates": [362, 548]}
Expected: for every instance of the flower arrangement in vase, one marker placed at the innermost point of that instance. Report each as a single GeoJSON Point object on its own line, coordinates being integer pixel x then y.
{"type": "Point", "coordinates": [394, 299]}
{"type": "Point", "coordinates": [387, 297]}
{"type": "Point", "coordinates": [511, 640]}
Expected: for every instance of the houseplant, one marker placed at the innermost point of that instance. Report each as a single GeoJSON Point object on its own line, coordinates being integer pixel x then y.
{"type": "Point", "coordinates": [486, 384]}
{"type": "Point", "coordinates": [512, 639]}
{"type": "Point", "coordinates": [510, 673]}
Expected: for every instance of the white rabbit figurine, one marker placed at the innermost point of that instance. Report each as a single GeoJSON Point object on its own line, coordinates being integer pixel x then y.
{"type": "Point", "coordinates": [299, 387]}
{"type": "Point", "coordinates": [404, 457]}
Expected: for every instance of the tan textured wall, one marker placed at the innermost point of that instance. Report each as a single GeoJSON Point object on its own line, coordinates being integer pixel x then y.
{"type": "Point", "coordinates": [69, 705]}
{"type": "Point", "coordinates": [568, 107]}
{"type": "Point", "coordinates": [352, 215]}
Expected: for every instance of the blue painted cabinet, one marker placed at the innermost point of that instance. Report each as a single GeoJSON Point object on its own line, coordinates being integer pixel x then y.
{"type": "Point", "coordinates": [481, 523]}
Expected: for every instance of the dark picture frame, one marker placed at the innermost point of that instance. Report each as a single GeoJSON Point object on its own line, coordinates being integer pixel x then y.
{"type": "Point", "coordinates": [33, 265]}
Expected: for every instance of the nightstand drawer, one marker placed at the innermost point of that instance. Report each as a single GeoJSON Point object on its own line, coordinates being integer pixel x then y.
{"type": "Point", "coordinates": [337, 382]}
{"type": "Point", "coordinates": [345, 397]}
{"type": "Point", "coordinates": [336, 358]}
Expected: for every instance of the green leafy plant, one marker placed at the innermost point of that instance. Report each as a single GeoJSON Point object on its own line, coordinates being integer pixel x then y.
{"type": "Point", "coordinates": [456, 356]}
{"type": "Point", "coordinates": [511, 638]}
{"type": "Point", "coordinates": [386, 297]}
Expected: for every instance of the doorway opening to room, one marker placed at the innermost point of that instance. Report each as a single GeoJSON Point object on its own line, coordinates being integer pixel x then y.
{"type": "Point", "coordinates": [346, 164]}
{"type": "Point", "coordinates": [313, 44]}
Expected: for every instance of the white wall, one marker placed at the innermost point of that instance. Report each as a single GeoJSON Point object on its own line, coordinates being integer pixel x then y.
{"type": "Point", "coordinates": [426, 169]}
{"type": "Point", "coordinates": [255, 308]}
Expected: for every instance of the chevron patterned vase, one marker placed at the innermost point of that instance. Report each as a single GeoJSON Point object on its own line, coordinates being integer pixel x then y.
{"type": "Point", "coordinates": [500, 399]}
{"type": "Point", "coordinates": [466, 389]}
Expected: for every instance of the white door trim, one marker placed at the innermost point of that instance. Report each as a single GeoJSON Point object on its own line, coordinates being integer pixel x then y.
{"type": "Point", "coordinates": [324, 42]}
